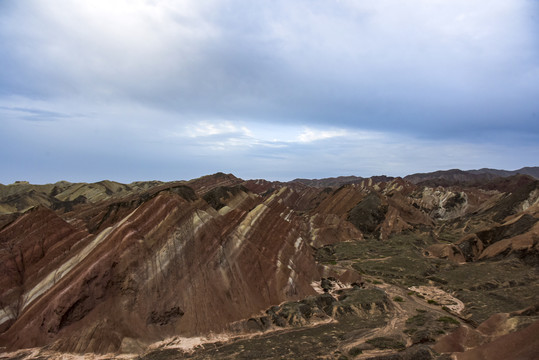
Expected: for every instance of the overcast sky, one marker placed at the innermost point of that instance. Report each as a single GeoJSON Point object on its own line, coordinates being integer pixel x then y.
{"type": "Point", "coordinates": [174, 89]}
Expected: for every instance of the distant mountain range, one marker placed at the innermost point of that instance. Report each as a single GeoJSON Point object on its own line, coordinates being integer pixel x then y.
{"type": "Point", "coordinates": [460, 176]}
{"type": "Point", "coordinates": [435, 178]}
{"type": "Point", "coordinates": [341, 180]}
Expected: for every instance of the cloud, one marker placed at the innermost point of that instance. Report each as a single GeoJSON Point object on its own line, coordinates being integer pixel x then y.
{"type": "Point", "coordinates": [232, 134]}
{"type": "Point", "coordinates": [205, 128]}
{"type": "Point", "coordinates": [219, 81]}
{"type": "Point", "coordinates": [32, 114]}
{"type": "Point", "coordinates": [310, 135]}
{"type": "Point", "coordinates": [433, 68]}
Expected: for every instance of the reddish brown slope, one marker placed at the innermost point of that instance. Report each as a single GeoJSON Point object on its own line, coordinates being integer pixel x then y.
{"type": "Point", "coordinates": [33, 245]}
{"type": "Point", "coordinates": [502, 336]}
{"type": "Point", "coordinates": [165, 269]}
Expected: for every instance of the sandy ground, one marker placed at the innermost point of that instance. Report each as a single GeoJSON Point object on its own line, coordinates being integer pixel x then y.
{"type": "Point", "coordinates": [440, 296]}
{"type": "Point", "coordinates": [188, 344]}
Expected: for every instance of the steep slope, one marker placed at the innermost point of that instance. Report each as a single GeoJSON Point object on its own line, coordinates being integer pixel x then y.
{"type": "Point", "coordinates": [502, 336]}
{"type": "Point", "coordinates": [165, 268]}
{"type": "Point", "coordinates": [35, 244]}
{"type": "Point", "coordinates": [21, 196]}
{"type": "Point", "coordinates": [508, 226]}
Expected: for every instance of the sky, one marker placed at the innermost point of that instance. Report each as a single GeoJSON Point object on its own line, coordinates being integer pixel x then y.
{"type": "Point", "coordinates": [130, 90]}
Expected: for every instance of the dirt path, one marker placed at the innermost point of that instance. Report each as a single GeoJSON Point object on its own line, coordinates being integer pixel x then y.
{"type": "Point", "coordinates": [400, 312]}
{"type": "Point", "coordinates": [398, 317]}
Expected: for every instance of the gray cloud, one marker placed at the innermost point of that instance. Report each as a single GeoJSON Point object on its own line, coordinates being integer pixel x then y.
{"type": "Point", "coordinates": [113, 75]}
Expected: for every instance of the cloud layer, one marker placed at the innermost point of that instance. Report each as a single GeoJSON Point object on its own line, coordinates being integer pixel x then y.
{"type": "Point", "coordinates": [139, 89]}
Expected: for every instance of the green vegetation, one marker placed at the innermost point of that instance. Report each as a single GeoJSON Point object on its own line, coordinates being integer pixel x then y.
{"type": "Point", "coordinates": [417, 320]}
{"type": "Point", "coordinates": [386, 343]}
{"type": "Point", "coordinates": [449, 237]}
{"type": "Point", "coordinates": [485, 287]}
{"type": "Point", "coordinates": [364, 297]}
{"type": "Point", "coordinates": [448, 320]}
{"type": "Point", "coordinates": [398, 260]}
{"type": "Point", "coordinates": [489, 287]}
{"type": "Point", "coordinates": [398, 299]}
{"type": "Point", "coordinates": [355, 351]}
{"type": "Point", "coordinates": [303, 343]}
{"type": "Point", "coordinates": [426, 326]}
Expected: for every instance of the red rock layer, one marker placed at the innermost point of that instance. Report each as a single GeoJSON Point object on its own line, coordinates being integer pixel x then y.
{"type": "Point", "coordinates": [170, 267]}
{"type": "Point", "coordinates": [493, 339]}
{"type": "Point", "coordinates": [35, 244]}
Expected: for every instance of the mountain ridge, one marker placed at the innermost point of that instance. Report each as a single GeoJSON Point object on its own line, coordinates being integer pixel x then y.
{"type": "Point", "coordinates": [468, 175]}
{"type": "Point", "coordinates": [114, 268]}
{"type": "Point", "coordinates": [452, 176]}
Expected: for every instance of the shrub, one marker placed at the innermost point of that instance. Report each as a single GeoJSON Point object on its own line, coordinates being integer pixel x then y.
{"type": "Point", "coordinates": [398, 299]}
{"type": "Point", "coordinates": [417, 320]}
{"type": "Point", "coordinates": [355, 351]}
{"type": "Point", "coordinates": [386, 343]}
{"type": "Point", "coordinates": [448, 320]}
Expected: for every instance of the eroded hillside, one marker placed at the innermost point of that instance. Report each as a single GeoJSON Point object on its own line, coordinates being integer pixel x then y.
{"type": "Point", "coordinates": [256, 269]}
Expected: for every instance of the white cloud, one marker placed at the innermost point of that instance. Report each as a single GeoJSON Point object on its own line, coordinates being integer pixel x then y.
{"type": "Point", "coordinates": [205, 128]}
{"type": "Point", "coordinates": [274, 135]}
{"type": "Point", "coordinates": [309, 135]}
